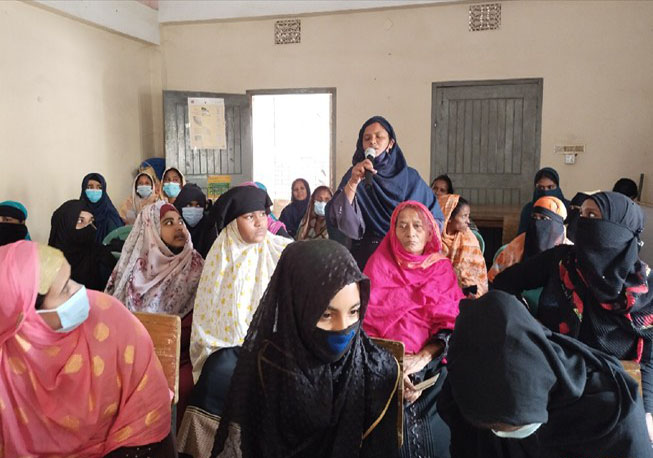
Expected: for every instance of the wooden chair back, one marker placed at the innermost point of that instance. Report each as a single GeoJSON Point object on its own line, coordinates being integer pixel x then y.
{"type": "Point", "coordinates": [165, 331]}
{"type": "Point", "coordinates": [397, 350]}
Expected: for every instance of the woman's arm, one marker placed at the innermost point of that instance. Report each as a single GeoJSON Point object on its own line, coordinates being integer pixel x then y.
{"type": "Point", "coordinates": [531, 273]}
{"type": "Point", "coordinates": [345, 216]}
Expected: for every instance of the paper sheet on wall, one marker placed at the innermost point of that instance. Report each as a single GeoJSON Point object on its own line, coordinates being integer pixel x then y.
{"type": "Point", "coordinates": [216, 185]}
{"type": "Point", "coordinates": [207, 123]}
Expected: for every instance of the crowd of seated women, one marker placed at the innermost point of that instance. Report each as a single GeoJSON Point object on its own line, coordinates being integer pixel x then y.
{"type": "Point", "coordinates": [284, 321]}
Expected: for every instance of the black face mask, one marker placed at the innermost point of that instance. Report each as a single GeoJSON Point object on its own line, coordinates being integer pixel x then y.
{"type": "Point", "coordinates": [85, 235]}
{"type": "Point", "coordinates": [10, 233]}
{"type": "Point", "coordinates": [572, 224]}
{"type": "Point", "coordinates": [543, 234]}
{"type": "Point", "coordinates": [330, 346]}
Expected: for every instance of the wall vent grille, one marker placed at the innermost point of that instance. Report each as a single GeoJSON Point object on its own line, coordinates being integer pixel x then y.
{"type": "Point", "coordinates": [486, 16]}
{"type": "Point", "coordinates": [287, 31]}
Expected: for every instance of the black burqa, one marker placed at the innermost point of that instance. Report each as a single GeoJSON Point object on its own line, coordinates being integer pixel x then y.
{"type": "Point", "coordinates": [289, 402]}
{"type": "Point", "coordinates": [292, 215]}
{"type": "Point", "coordinates": [91, 263]}
{"type": "Point", "coordinates": [204, 233]}
{"type": "Point", "coordinates": [505, 367]}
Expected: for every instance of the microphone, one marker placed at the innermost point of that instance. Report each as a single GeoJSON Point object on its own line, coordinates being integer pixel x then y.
{"type": "Point", "coordinates": [370, 153]}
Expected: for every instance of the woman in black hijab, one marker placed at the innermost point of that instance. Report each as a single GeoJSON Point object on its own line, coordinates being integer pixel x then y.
{"type": "Point", "coordinates": [73, 232]}
{"type": "Point", "coordinates": [547, 183]}
{"type": "Point", "coordinates": [191, 203]}
{"type": "Point", "coordinates": [301, 390]}
{"type": "Point", "coordinates": [516, 389]}
{"type": "Point", "coordinates": [292, 215]}
{"type": "Point", "coordinates": [598, 290]}
{"type": "Point", "coordinates": [574, 214]}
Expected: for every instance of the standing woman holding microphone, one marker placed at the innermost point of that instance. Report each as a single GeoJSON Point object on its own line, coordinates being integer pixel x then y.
{"type": "Point", "coordinates": [377, 182]}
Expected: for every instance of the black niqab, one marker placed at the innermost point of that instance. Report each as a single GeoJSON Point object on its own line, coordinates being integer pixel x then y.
{"type": "Point", "coordinates": [91, 263]}
{"type": "Point", "coordinates": [288, 402]}
{"type": "Point", "coordinates": [607, 249]}
{"type": "Point", "coordinates": [543, 234]}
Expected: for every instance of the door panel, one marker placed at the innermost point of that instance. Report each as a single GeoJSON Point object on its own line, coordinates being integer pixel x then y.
{"type": "Point", "coordinates": [198, 164]}
{"type": "Point", "coordinates": [486, 137]}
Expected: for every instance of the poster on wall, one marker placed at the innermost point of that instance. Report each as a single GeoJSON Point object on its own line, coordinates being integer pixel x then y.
{"type": "Point", "coordinates": [207, 123]}
{"type": "Point", "coordinates": [216, 185]}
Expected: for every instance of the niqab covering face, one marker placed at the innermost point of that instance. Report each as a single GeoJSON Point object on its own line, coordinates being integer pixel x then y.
{"type": "Point", "coordinates": [288, 402]}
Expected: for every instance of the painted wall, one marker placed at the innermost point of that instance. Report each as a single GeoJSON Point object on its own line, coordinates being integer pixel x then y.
{"type": "Point", "coordinates": [73, 99]}
{"type": "Point", "coordinates": [595, 58]}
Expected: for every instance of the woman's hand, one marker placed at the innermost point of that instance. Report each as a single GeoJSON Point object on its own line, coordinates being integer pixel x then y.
{"type": "Point", "coordinates": [649, 425]}
{"type": "Point", "coordinates": [357, 175]}
{"type": "Point", "coordinates": [415, 363]}
{"type": "Point", "coordinates": [410, 393]}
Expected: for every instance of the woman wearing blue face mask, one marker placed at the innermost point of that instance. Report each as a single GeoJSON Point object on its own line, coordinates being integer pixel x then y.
{"type": "Point", "coordinates": [309, 382]}
{"type": "Point", "coordinates": [313, 225]}
{"type": "Point", "coordinates": [191, 203]}
{"type": "Point", "coordinates": [94, 192]}
{"type": "Point", "coordinates": [173, 181]}
{"type": "Point", "coordinates": [516, 389]}
{"type": "Point", "coordinates": [144, 192]}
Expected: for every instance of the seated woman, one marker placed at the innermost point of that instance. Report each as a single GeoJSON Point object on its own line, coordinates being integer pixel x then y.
{"type": "Point", "coordinates": [191, 202]}
{"type": "Point", "coordinates": [518, 390]}
{"type": "Point", "coordinates": [546, 230]}
{"type": "Point", "coordinates": [144, 192]}
{"type": "Point", "coordinates": [309, 382]}
{"type": "Point", "coordinates": [414, 299]}
{"type": "Point", "coordinates": [106, 217]}
{"type": "Point", "coordinates": [313, 225]}
{"type": "Point", "coordinates": [442, 185]}
{"type": "Point", "coordinates": [292, 215]}
{"type": "Point", "coordinates": [73, 232]}
{"type": "Point", "coordinates": [237, 271]}
{"type": "Point", "coordinates": [158, 272]}
{"type": "Point", "coordinates": [79, 372]}
{"type": "Point", "coordinates": [461, 246]}
{"type": "Point", "coordinates": [598, 290]}
{"type": "Point", "coordinates": [274, 225]}
{"type": "Point", "coordinates": [12, 222]}
{"type": "Point", "coordinates": [547, 183]}
{"type": "Point", "coordinates": [361, 211]}
{"type": "Point", "coordinates": [173, 180]}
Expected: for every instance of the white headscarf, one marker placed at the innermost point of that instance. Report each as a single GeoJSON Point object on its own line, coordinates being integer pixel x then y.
{"type": "Point", "coordinates": [151, 278]}
{"type": "Point", "coordinates": [235, 276]}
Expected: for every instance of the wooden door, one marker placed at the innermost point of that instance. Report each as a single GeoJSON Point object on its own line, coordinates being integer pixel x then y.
{"type": "Point", "coordinates": [486, 136]}
{"type": "Point", "coordinates": [198, 164]}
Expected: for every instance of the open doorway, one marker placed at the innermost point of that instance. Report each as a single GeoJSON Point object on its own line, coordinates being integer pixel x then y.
{"type": "Point", "coordinates": [293, 137]}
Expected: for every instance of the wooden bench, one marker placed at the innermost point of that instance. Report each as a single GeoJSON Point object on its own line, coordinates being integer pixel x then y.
{"type": "Point", "coordinates": [632, 369]}
{"type": "Point", "coordinates": [165, 331]}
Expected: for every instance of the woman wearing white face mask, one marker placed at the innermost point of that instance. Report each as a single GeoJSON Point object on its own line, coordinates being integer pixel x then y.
{"type": "Point", "coordinates": [516, 389]}
{"type": "Point", "coordinates": [78, 373]}
{"type": "Point", "coordinates": [313, 225]}
{"type": "Point", "coordinates": [145, 191]}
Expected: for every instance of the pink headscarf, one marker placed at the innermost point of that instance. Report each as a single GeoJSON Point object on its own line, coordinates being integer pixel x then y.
{"type": "Point", "coordinates": [412, 296]}
{"type": "Point", "coordinates": [151, 278]}
{"type": "Point", "coordinates": [274, 225]}
{"type": "Point", "coordinates": [86, 392]}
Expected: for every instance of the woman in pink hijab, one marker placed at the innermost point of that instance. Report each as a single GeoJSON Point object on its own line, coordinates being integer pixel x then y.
{"type": "Point", "coordinates": [414, 299]}
{"type": "Point", "coordinates": [78, 373]}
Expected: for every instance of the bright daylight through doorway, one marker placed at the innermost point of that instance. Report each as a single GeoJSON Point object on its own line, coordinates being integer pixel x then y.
{"type": "Point", "coordinates": [292, 139]}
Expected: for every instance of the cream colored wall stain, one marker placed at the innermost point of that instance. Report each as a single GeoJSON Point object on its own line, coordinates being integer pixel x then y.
{"type": "Point", "coordinates": [75, 98]}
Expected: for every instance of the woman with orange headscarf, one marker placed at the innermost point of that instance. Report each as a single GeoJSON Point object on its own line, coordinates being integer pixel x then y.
{"type": "Point", "coordinates": [461, 246]}
{"type": "Point", "coordinates": [78, 373]}
{"type": "Point", "coordinates": [546, 229]}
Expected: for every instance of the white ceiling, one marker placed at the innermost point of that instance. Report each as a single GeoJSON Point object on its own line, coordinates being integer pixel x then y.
{"type": "Point", "coordinates": [205, 10]}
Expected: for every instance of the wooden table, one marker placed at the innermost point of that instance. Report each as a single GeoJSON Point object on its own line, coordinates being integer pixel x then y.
{"type": "Point", "coordinates": [498, 216]}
